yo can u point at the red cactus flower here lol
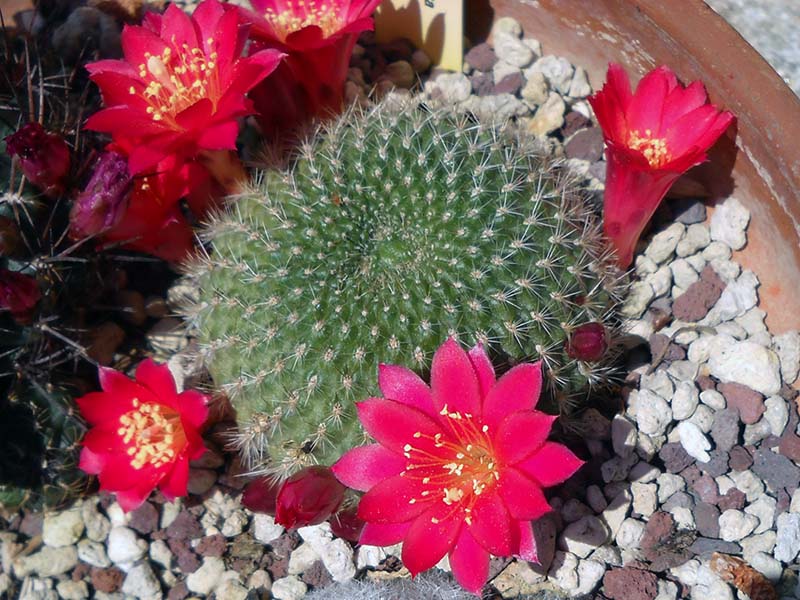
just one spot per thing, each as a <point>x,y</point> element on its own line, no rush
<point>318,37</point>
<point>652,137</point>
<point>261,495</point>
<point>458,467</point>
<point>308,497</point>
<point>19,294</point>
<point>588,342</point>
<point>143,435</point>
<point>44,157</point>
<point>181,86</point>
<point>102,204</point>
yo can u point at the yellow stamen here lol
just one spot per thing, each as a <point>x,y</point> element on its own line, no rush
<point>154,433</point>
<point>654,150</point>
<point>296,14</point>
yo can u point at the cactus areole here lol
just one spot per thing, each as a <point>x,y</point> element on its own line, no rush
<point>394,231</point>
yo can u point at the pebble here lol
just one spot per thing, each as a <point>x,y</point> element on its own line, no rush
<point>776,414</point>
<point>709,585</point>
<point>703,417</point>
<point>401,74</point>
<point>579,87</point>
<point>669,484</point>
<point>659,382</point>
<point>694,441</point>
<point>97,525</point>
<point>713,399</point>
<point>683,274</point>
<point>288,588</point>
<point>451,87</point>
<point>695,303</point>
<point>93,553</point>
<point>748,364</point>
<point>207,577</point>
<point>615,513</point>
<point>265,530</point>
<point>776,470</point>
<point>71,590</point>
<point>764,542</point>
<point>684,400</point>
<point>502,69</point>
<point>564,570</point>
<point>584,536</point>
<point>510,49</point>
<point>735,525</point>
<point>536,91</point>
<point>558,72</point>
<point>62,528</point>
<point>737,298</point>
<point>663,244</point>
<point>645,498</point>
<point>48,562</point>
<point>639,297</point>
<point>706,518</point>
<point>652,412</point>
<point>124,547</point>
<point>141,582</point>
<point>695,238</point>
<point>766,565</point>
<point>748,483</point>
<point>630,584</point>
<point>764,510</point>
<point>787,346</point>
<point>160,553</point>
<point>596,499</point>
<point>590,572</point>
<point>629,536</point>
<point>420,61</point>
<point>729,222</point>
<point>660,281</point>
<point>481,57</point>
<point>623,436</point>
<point>704,547</point>
<point>549,116</point>
<point>787,541</point>
<point>507,25</point>
<point>230,589</point>
<point>336,554</point>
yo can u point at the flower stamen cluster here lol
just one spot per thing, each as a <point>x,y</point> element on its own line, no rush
<point>155,431</point>
<point>654,149</point>
<point>297,15</point>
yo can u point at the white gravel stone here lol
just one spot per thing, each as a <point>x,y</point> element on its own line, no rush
<point>616,511</point>
<point>653,414</point>
<point>639,297</point>
<point>259,580</point>
<point>510,49</point>
<point>231,590</point>
<point>713,399</point>
<point>72,590</point>
<point>764,542</point>
<point>207,576</point>
<point>683,370</point>
<point>709,585</point>
<point>703,417</point>
<point>766,565</point>
<point>302,558</point>
<point>645,498</point>
<point>623,435</point>
<point>776,414</point>
<point>501,70</point>
<point>753,321</point>
<point>497,107</point>
<point>116,515</point>
<point>695,238</point>
<point>336,554</point>
<point>288,588</point>
<point>716,251</point>
<point>683,274</point>
<point>564,570</point>
<point>93,553</point>
<point>507,25</point>
<point>141,582</point>
<point>667,590</point>
<point>736,299</point>
<point>645,265</point>
<point>787,542</point>
<point>697,261</point>
<point>787,345</point>
<point>369,556</point>
<point>684,519</point>
<point>453,87</point>
<point>687,572</point>
<point>729,223</point>
<point>668,484</point>
<point>663,244</point>
<point>62,528</point>
<point>549,116</point>
<point>584,536</point>
<point>617,468</point>
<point>97,525</point>
<point>160,553</point>
<point>794,505</point>
<point>557,70</point>
<point>694,441</point>
<point>630,534</point>
<point>536,90</point>
<point>48,562</point>
<point>647,446</point>
<point>733,329</point>
<point>748,483</point>
<point>265,529</point>
<point>124,547</point>
<point>590,572</point>
<point>727,270</point>
<point>684,400</point>
<point>644,472</point>
<point>735,525</point>
<point>234,524</point>
<point>747,363</point>
<point>596,499</point>
<point>660,281</point>
<point>579,87</point>
<point>169,512</point>
<point>658,382</point>
<point>764,510</point>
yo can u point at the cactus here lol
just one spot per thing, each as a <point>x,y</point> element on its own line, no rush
<point>393,230</point>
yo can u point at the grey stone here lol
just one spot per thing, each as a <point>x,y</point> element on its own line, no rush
<point>669,484</point>
<point>683,274</point>
<point>663,244</point>
<point>695,238</point>
<point>729,222</point>
<point>623,435</point>
<point>644,472</point>
<point>124,547</point>
<point>776,414</point>
<point>787,345</point>
<point>453,87</point>
<point>596,499</point>
<point>579,86</point>
<point>48,562</point>
<point>763,508</point>
<point>590,572</point>
<point>706,518</point>
<point>629,536</point>
<point>616,511</point>
<point>141,582</point>
<point>207,577</point>
<point>684,400</point>
<point>549,116</point>
<point>703,417</point>
<point>93,553</point>
<point>510,49</point>
<point>62,528</point>
<point>787,542</point>
<point>704,547</point>
<point>288,588</point>
<point>584,535</point>
<point>725,429</point>
<point>776,470</point>
<point>748,364</point>
<point>557,70</point>
<point>768,566</point>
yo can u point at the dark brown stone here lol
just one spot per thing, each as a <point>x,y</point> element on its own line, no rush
<point>482,84</point>
<point>31,524</point>
<point>748,402</point>
<point>734,498</point>
<point>316,576</point>
<point>481,57</point>
<point>188,561</point>
<point>81,571</point>
<point>706,519</point>
<point>212,545</point>
<point>630,584</point>
<point>144,519</point>
<point>706,489</point>
<point>725,429</point>
<point>776,470</point>
<point>179,591</point>
<point>705,382</point>
<point>573,121</point>
<point>510,84</point>
<point>186,526</point>
<point>675,457</point>
<point>740,459</point>
<point>107,580</point>
<point>695,303</point>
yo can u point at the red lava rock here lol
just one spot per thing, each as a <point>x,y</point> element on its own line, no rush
<point>691,474</point>
<point>630,584</point>
<point>705,382</point>
<point>725,428</point>
<point>316,576</point>
<point>187,560</point>
<point>482,84</point>
<point>573,121</point>
<point>718,465</point>
<point>695,303</point>
<point>81,571</point>
<point>749,403</point>
<point>776,470</point>
<point>144,519</point>
<point>510,84</point>
<point>212,545</point>
<point>790,446</point>
<point>481,57</point>
<point>734,498</point>
<point>586,144</point>
<point>740,459</point>
<point>179,591</point>
<point>185,527</point>
<point>706,519</point>
<point>107,580</point>
<point>660,543</point>
<point>784,501</point>
<point>675,457</point>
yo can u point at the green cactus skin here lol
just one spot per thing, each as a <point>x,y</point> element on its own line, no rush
<point>393,230</point>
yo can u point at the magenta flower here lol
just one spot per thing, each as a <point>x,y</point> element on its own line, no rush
<point>43,156</point>
<point>103,202</point>
<point>458,467</point>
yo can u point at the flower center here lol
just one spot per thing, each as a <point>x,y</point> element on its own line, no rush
<point>460,466</point>
<point>154,433</point>
<point>176,80</point>
<point>301,13</point>
<point>654,149</point>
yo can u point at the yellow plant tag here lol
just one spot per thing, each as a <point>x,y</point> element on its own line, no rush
<point>436,26</point>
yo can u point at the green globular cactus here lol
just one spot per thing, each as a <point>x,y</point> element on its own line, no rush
<point>393,230</point>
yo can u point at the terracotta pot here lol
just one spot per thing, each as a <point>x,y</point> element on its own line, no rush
<point>761,167</point>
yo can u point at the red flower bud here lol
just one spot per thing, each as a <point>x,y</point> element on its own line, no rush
<point>308,497</point>
<point>261,495</point>
<point>9,236</point>
<point>102,204</point>
<point>43,157</point>
<point>347,525</point>
<point>18,294</point>
<point>588,342</point>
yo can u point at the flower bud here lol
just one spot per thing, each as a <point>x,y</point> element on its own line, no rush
<point>347,525</point>
<point>261,495</point>
<point>18,294</point>
<point>588,342</point>
<point>44,157</point>
<point>101,205</point>
<point>308,497</point>
<point>9,236</point>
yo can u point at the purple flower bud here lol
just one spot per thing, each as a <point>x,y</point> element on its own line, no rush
<point>588,342</point>
<point>44,157</point>
<point>19,294</point>
<point>101,205</point>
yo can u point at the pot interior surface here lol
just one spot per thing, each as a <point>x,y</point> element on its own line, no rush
<point>758,161</point>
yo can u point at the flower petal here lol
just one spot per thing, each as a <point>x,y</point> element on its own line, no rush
<point>393,424</point>
<point>158,378</point>
<point>683,100</point>
<point>483,368</point>
<point>91,462</point>
<point>384,534</point>
<point>527,542</point>
<point>647,105</point>
<point>175,484</point>
<point>520,434</point>
<point>123,389</point>
<point>522,496</point>
<point>518,389</point>
<point>133,498</point>
<point>100,407</point>
<point>552,464</point>
<point>193,407</point>
<point>364,467</point>
<point>394,500</point>
<point>430,537</point>
<point>469,562</point>
<point>403,385</point>
<point>454,382</point>
<point>492,525</point>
